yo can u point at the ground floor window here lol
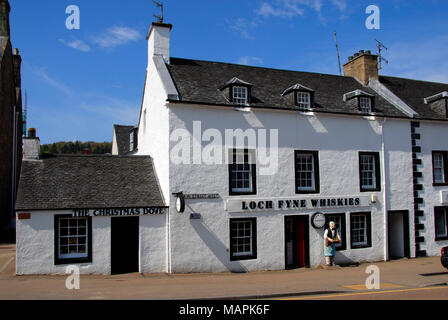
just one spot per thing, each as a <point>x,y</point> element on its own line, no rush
<point>243,239</point>
<point>360,230</point>
<point>441,223</point>
<point>339,221</point>
<point>73,239</point>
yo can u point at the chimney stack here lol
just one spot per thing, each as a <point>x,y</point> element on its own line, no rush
<point>363,65</point>
<point>31,146</point>
<point>4,18</point>
<point>159,40</point>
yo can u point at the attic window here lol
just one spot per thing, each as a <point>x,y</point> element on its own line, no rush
<point>240,96</point>
<point>304,100</point>
<point>365,104</point>
<point>133,140</point>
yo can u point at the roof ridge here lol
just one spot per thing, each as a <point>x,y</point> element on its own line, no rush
<point>265,68</point>
<point>409,79</point>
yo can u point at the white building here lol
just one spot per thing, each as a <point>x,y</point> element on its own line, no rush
<point>357,149</point>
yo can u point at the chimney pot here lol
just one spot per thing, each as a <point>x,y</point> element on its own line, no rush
<point>361,51</point>
<point>356,54</point>
<point>32,133</point>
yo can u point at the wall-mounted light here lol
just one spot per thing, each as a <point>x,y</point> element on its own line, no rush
<point>373,198</point>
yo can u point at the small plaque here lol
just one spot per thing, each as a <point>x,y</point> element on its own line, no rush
<point>24,216</point>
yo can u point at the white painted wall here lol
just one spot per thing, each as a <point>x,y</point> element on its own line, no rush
<point>35,245</point>
<point>202,245</point>
<point>433,138</point>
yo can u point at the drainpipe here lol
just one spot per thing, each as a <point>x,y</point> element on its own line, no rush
<point>384,186</point>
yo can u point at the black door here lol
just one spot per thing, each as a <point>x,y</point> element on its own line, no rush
<point>296,242</point>
<point>124,244</point>
<point>398,227</point>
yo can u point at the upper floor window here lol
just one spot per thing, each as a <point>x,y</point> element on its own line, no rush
<point>240,96</point>
<point>304,100</point>
<point>439,163</point>
<point>242,172</point>
<point>307,171</point>
<point>365,104</point>
<point>133,140</point>
<point>369,171</point>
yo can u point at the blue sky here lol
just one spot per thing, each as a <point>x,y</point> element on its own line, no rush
<point>81,82</point>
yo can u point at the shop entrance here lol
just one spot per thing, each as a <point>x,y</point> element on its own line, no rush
<point>398,222</point>
<point>124,244</point>
<point>297,242</point>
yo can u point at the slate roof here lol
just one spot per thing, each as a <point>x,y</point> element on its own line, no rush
<point>199,82</point>
<point>413,93</point>
<point>88,182</point>
<point>122,136</point>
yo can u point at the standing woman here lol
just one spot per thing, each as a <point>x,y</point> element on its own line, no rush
<point>331,236</point>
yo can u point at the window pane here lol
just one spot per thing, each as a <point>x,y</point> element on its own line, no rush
<point>305,172</point>
<point>441,228</point>
<point>439,172</point>
<point>367,171</point>
<point>241,237</point>
<point>359,230</point>
<point>73,238</point>
<point>240,95</point>
<point>241,173</point>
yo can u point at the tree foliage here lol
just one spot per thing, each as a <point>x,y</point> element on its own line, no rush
<point>76,147</point>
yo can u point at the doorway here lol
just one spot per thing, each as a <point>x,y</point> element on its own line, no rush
<point>124,245</point>
<point>297,242</point>
<point>398,228</point>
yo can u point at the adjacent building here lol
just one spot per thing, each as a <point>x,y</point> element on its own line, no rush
<point>10,125</point>
<point>250,165</point>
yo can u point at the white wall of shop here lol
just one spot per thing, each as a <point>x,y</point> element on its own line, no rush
<point>431,140</point>
<point>35,245</point>
<point>203,245</point>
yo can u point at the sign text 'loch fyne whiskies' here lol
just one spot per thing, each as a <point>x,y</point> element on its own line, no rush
<point>284,204</point>
<point>119,212</point>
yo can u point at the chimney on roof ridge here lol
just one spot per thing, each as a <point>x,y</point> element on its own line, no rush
<point>363,65</point>
<point>31,146</point>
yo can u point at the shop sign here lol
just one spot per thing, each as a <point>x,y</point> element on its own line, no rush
<point>288,204</point>
<point>119,212</point>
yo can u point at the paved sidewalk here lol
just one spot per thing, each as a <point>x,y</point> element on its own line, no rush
<point>396,274</point>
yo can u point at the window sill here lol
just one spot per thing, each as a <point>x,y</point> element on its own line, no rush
<point>308,192</point>
<point>361,247</point>
<point>441,238</point>
<point>439,184</point>
<point>59,262</point>
<point>371,190</point>
<point>249,193</point>
<point>240,258</point>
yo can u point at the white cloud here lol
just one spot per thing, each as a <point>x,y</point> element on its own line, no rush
<point>341,4</point>
<point>58,85</point>
<point>288,8</point>
<point>116,36</point>
<point>250,61</point>
<point>76,44</point>
<point>242,26</point>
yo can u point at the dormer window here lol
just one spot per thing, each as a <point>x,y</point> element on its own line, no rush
<point>301,96</point>
<point>365,104</point>
<point>237,91</point>
<point>240,96</point>
<point>304,100</point>
<point>133,139</point>
<point>362,100</point>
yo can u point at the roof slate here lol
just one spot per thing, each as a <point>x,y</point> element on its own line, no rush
<point>123,140</point>
<point>413,93</point>
<point>88,182</point>
<point>199,82</point>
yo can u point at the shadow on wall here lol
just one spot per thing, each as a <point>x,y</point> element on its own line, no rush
<point>216,246</point>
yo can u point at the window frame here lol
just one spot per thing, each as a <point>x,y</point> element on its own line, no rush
<point>444,155</point>
<point>368,230</point>
<point>370,109</point>
<point>445,212</point>
<point>250,154</point>
<point>298,104</point>
<point>253,254</point>
<point>61,260</point>
<point>342,230</point>
<point>232,95</point>
<point>316,175</point>
<point>377,175</point>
